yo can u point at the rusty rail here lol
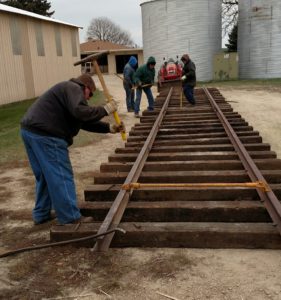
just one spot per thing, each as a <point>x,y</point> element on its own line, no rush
<point>167,201</point>
<point>119,205</point>
<point>269,199</point>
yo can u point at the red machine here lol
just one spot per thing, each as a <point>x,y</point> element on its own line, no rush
<point>171,70</point>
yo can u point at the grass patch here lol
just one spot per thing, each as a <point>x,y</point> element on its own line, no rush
<point>276,82</point>
<point>11,146</point>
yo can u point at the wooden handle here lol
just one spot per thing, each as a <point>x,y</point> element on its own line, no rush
<point>142,86</point>
<point>91,57</point>
<point>108,97</point>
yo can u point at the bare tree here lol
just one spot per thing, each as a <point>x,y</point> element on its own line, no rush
<point>229,15</point>
<point>104,29</point>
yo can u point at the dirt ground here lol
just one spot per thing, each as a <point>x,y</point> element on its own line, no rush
<point>133,273</point>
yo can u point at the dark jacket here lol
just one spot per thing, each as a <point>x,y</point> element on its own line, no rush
<point>145,75</point>
<point>62,111</point>
<point>189,70</point>
<point>128,75</point>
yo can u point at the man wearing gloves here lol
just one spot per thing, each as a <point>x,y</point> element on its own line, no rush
<point>144,76</point>
<point>128,73</point>
<point>47,129</point>
<point>188,78</point>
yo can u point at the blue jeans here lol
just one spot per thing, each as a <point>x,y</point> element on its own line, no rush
<point>130,97</point>
<point>189,93</point>
<point>149,97</point>
<point>55,188</point>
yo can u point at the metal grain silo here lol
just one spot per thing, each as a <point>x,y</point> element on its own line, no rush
<point>175,27</point>
<point>259,39</point>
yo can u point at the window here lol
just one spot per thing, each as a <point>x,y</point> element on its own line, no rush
<point>73,43</point>
<point>58,41</point>
<point>39,39</point>
<point>15,31</point>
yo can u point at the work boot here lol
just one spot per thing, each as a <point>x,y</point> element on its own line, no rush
<point>51,217</point>
<point>83,219</point>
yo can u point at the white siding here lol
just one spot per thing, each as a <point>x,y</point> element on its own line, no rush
<point>28,75</point>
<point>12,82</point>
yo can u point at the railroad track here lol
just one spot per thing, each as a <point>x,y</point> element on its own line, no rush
<point>203,178</point>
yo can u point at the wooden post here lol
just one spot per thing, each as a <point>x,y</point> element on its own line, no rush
<point>181,98</point>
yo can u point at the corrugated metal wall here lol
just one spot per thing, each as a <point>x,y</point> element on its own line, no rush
<point>259,39</point>
<point>12,81</point>
<point>30,63</point>
<point>175,27</point>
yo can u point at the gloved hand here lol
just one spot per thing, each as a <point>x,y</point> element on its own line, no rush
<point>138,84</point>
<point>114,128</point>
<point>183,78</point>
<point>111,107</point>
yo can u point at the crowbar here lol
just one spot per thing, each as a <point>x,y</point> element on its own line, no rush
<point>134,87</point>
<point>142,86</point>
<point>61,243</point>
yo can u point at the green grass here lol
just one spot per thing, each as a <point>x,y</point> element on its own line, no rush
<point>242,83</point>
<point>11,146</point>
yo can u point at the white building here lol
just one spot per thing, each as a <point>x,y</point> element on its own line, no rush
<point>35,52</point>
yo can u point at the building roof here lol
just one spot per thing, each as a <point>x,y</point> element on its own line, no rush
<point>10,9</point>
<point>146,1</point>
<point>97,45</point>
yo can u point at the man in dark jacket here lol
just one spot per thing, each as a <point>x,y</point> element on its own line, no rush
<point>145,76</point>
<point>128,73</point>
<point>47,129</point>
<point>188,78</point>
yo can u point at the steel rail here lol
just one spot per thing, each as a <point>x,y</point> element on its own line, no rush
<point>269,199</point>
<point>119,205</point>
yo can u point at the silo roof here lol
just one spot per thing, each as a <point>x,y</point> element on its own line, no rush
<point>13,10</point>
<point>148,1</point>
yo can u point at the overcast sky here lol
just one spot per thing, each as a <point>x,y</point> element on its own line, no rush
<point>125,13</point>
